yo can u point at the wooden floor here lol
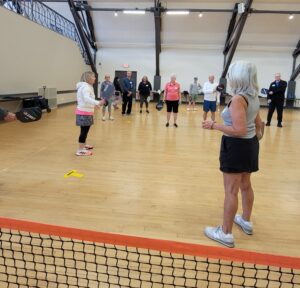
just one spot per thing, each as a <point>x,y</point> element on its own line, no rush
<point>145,179</point>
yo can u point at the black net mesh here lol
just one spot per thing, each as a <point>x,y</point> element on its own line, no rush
<point>36,260</point>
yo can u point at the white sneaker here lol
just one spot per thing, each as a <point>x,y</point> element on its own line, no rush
<point>188,109</point>
<point>111,118</point>
<point>217,234</point>
<point>84,152</point>
<point>246,226</point>
<point>103,118</point>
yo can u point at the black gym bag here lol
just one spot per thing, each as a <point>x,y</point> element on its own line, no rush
<point>39,101</point>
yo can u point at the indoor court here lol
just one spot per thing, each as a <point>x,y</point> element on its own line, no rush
<point>133,213</point>
<point>129,190</point>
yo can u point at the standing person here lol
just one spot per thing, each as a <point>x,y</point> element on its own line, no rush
<point>276,99</point>
<point>194,91</point>
<point>107,92</point>
<point>239,150</point>
<point>128,87</point>
<point>118,92</point>
<point>144,89</point>
<point>85,110</point>
<point>7,116</point>
<point>211,98</point>
<point>172,97</point>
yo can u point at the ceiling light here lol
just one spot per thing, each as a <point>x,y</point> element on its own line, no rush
<point>178,12</point>
<point>116,14</point>
<point>137,12</point>
<point>200,15</point>
<point>291,17</point>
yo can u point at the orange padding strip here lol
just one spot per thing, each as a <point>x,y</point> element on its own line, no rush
<point>153,244</point>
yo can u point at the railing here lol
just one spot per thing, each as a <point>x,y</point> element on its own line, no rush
<point>47,17</point>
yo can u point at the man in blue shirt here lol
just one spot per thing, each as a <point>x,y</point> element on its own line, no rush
<point>128,87</point>
<point>276,99</point>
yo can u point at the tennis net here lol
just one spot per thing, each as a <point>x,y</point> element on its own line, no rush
<point>40,255</point>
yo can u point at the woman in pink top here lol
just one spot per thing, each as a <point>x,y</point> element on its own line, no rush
<point>172,96</point>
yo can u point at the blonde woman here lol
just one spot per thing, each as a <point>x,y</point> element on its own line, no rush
<point>239,150</point>
<point>86,104</point>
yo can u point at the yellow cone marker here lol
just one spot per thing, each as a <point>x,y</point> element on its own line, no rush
<point>73,173</point>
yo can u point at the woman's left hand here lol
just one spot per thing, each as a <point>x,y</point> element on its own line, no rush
<point>207,124</point>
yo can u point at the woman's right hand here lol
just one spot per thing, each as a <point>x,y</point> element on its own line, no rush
<point>10,117</point>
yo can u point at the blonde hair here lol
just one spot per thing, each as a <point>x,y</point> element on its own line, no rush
<point>86,76</point>
<point>242,78</point>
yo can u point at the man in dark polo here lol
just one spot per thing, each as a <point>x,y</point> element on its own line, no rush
<point>276,99</point>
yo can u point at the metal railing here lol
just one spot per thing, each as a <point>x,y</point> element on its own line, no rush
<point>47,17</point>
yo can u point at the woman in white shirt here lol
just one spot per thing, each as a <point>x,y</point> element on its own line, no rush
<point>85,110</point>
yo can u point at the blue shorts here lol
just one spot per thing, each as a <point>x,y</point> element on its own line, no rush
<point>209,105</point>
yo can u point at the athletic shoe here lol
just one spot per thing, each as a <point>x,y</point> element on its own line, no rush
<point>175,125</point>
<point>279,125</point>
<point>84,153</point>
<point>103,118</point>
<point>167,125</point>
<point>217,234</point>
<point>147,111</point>
<point>268,124</point>
<point>187,109</point>
<point>141,111</point>
<point>246,226</point>
<point>111,118</point>
<point>88,147</point>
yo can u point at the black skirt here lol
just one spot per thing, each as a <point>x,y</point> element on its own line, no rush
<point>239,155</point>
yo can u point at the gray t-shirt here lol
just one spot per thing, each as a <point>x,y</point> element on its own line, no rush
<point>194,88</point>
<point>252,111</point>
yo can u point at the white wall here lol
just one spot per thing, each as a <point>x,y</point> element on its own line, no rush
<point>140,60</point>
<point>187,63</point>
<point>32,56</point>
<point>192,46</point>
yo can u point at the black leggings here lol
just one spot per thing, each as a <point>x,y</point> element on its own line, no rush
<point>84,130</point>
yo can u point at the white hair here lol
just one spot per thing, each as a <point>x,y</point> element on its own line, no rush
<point>242,78</point>
<point>173,75</point>
<point>86,76</point>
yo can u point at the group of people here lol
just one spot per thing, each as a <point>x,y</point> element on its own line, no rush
<point>242,129</point>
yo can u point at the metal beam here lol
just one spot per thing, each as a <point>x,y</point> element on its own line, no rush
<point>191,10</point>
<point>296,53</point>
<point>84,40</point>
<point>255,11</point>
<point>295,73</point>
<point>237,37</point>
<point>157,22</point>
<point>297,50</point>
<point>231,29</point>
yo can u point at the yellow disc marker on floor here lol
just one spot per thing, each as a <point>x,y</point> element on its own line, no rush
<point>73,173</point>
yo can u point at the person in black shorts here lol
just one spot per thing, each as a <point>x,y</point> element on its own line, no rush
<point>172,97</point>
<point>239,150</point>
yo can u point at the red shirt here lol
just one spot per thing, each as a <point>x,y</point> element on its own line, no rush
<point>172,91</point>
